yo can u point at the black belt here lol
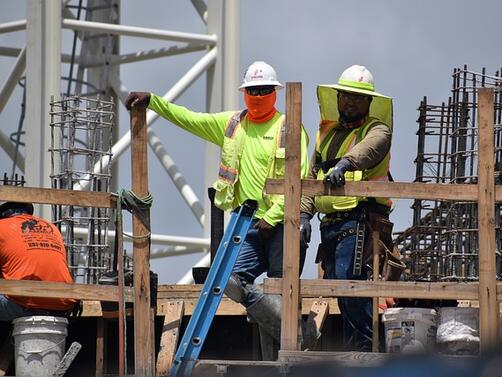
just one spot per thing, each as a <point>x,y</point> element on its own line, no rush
<point>357,212</point>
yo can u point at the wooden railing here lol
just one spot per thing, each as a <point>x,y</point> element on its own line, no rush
<point>487,291</point>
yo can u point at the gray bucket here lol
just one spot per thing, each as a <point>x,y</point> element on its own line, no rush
<point>458,331</point>
<point>409,330</point>
<point>39,345</point>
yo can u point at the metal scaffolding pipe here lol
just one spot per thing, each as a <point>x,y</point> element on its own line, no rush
<point>156,239</point>
<point>201,8</point>
<point>11,151</point>
<point>135,31</point>
<point>173,251</point>
<point>178,179</point>
<point>188,78</point>
<point>147,55</point>
<point>9,27</point>
<point>14,53</point>
<point>14,76</point>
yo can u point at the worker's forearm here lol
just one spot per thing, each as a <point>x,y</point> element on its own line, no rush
<point>210,127</point>
<point>372,149</point>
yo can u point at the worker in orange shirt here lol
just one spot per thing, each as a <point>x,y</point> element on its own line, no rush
<point>31,249</point>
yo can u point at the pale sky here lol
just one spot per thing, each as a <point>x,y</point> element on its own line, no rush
<point>411,47</point>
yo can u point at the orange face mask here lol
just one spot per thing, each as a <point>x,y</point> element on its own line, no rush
<point>260,108</point>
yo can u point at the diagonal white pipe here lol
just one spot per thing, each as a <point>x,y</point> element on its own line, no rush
<point>121,145</point>
<point>135,31</point>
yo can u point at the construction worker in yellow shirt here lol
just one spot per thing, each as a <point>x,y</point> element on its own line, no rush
<point>252,145</point>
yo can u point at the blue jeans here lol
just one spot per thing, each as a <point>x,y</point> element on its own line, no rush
<point>338,264</point>
<point>9,310</point>
<point>260,255</point>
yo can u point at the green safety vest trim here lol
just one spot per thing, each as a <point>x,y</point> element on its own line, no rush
<point>231,151</point>
<point>330,204</point>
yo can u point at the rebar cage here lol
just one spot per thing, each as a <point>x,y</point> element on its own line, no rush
<point>442,243</point>
<point>81,159</point>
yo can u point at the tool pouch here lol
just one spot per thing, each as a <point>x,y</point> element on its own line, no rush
<point>391,266</point>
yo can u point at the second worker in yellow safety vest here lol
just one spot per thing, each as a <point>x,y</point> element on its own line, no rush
<point>352,144</point>
<point>252,145</point>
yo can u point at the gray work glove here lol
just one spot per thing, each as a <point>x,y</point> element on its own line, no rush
<point>337,175</point>
<point>138,99</point>
<point>305,228</point>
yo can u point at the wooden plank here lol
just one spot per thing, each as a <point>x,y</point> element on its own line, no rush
<point>488,308</point>
<point>438,191</point>
<point>144,361</point>
<point>227,307</point>
<point>57,196</point>
<point>100,347</point>
<point>292,197</point>
<point>169,337</point>
<point>318,313</point>
<point>375,238</point>
<point>347,359</point>
<point>33,288</point>
<point>397,289</point>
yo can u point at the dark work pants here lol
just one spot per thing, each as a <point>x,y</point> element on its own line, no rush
<point>356,312</point>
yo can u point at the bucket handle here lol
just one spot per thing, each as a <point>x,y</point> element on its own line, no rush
<point>41,351</point>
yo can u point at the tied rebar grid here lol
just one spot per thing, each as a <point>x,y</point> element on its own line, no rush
<point>81,141</point>
<point>442,243</point>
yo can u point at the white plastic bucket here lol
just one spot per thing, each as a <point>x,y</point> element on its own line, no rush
<point>39,344</point>
<point>458,331</point>
<point>409,330</point>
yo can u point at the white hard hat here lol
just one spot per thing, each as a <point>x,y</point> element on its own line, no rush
<point>258,74</point>
<point>357,78</point>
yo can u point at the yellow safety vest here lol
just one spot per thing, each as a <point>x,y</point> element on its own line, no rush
<point>231,151</point>
<point>380,172</point>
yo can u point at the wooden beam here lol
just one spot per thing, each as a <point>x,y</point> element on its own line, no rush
<point>100,347</point>
<point>397,289</point>
<point>169,337</point>
<point>318,313</point>
<point>488,308</point>
<point>432,191</point>
<point>144,360</point>
<point>375,238</point>
<point>346,359</point>
<point>57,196</point>
<point>292,197</point>
<point>31,288</point>
<point>227,307</point>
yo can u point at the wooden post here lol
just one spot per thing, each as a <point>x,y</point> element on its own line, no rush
<point>144,358</point>
<point>292,197</point>
<point>169,337</point>
<point>488,308</point>
<point>100,347</point>
<point>375,237</point>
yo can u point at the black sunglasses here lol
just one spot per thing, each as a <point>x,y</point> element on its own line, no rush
<point>355,98</point>
<point>259,90</point>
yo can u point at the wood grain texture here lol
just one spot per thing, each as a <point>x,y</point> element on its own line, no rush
<point>348,359</point>
<point>143,328</point>
<point>292,196</point>
<point>397,289</point>
<point>456,192</point>
<point>488,308</point>
<point>32,288</point>
<point>57,196</point>
<point>169,337</point>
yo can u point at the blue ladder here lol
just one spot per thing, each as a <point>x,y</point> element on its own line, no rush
<point>212,292</point>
